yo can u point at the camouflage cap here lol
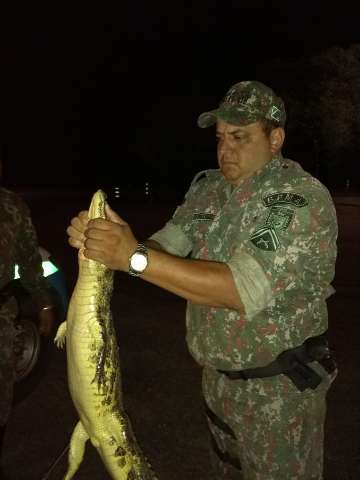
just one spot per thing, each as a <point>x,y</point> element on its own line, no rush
<point>246,102</point>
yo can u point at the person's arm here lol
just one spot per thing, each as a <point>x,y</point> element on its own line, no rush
<point>112,242</point>
<point>198,281</point>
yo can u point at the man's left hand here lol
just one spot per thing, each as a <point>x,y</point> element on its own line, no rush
<point>110,241</point>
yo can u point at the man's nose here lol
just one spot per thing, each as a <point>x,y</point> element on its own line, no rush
<point>223,146</point>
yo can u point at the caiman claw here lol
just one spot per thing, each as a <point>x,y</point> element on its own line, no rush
<point>60,337</point>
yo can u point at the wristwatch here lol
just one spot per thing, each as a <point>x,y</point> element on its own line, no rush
<point>138,260</point>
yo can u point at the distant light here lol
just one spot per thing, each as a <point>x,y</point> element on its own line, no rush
<point>117,192</point>
<point>48,268</point>
<point>147,188</point>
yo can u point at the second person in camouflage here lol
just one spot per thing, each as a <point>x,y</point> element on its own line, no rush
<point>18,245</point>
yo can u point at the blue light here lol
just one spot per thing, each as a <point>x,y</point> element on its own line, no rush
<point>48,268</point>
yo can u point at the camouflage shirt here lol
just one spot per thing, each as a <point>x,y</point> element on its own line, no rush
<point>18,245</point>
<point>277,233</point>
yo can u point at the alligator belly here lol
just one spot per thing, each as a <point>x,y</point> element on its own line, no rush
<point>92,381</point>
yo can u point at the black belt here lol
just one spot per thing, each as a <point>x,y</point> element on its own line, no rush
<point>293,364</point>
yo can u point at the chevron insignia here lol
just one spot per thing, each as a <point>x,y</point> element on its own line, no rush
<point>266,239</point>
<point>275,113</point>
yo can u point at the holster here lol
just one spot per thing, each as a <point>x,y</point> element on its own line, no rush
<point>294,364</point>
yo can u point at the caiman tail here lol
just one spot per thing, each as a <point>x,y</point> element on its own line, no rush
<point>94,372</point>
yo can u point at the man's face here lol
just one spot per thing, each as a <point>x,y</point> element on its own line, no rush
<point>242,150</point>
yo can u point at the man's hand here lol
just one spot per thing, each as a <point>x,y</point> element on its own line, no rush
<point>77,228</point>
<point>109,241</point>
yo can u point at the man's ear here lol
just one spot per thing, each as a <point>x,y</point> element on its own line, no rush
<point>277,137</point>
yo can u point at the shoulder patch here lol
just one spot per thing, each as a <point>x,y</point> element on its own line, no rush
<point>266,239</point>
<point>285,198</point>
<point>280,217</point>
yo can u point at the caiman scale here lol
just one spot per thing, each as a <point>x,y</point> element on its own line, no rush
<point>94,372</point>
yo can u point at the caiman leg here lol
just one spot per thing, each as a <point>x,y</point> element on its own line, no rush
<point>107,444</point>
<point>115,457</point>
<point>78,440</point>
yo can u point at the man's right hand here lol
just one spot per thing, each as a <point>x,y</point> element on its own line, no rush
<point>77,228</point>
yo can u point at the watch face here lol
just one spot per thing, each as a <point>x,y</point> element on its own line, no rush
<point>138,262</point>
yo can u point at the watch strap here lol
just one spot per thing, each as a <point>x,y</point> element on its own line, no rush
<point>142,249</point>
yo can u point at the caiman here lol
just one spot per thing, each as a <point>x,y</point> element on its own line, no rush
<point>94,372</point>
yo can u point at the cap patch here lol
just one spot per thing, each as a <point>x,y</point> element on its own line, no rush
<point>275,113</point>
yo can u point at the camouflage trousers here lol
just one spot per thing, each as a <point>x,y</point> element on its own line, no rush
<point>265,429</point>
<point>7,359</point>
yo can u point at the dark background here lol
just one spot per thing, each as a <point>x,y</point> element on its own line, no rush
<point>105,95</point>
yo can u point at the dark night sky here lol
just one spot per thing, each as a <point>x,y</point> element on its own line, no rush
<point>111,96</point>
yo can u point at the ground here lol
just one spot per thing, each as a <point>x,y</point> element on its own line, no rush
<point>161,382</point>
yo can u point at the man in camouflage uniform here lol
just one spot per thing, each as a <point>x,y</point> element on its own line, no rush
<point>252,249</point>
<point>18,245</point>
